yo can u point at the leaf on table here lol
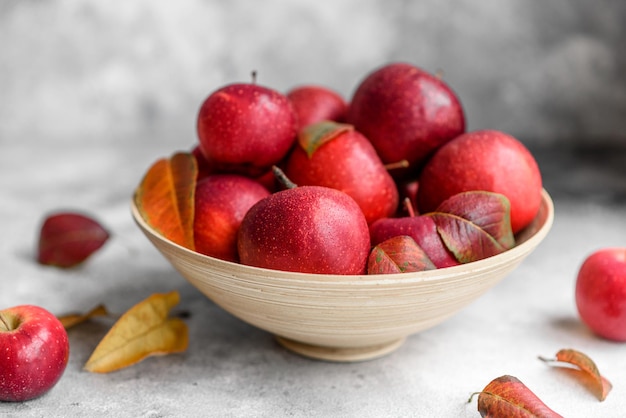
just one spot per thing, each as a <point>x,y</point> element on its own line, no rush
<point>71,320</point>
<point>67,239</point>
<point>475,225</point>
<point>507,396</point>
<point>587,371</point>
<point>400,254</point>
<point>165,197</point>
<point>144,330</point>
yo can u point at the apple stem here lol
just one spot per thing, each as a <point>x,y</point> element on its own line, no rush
<point>6,323</point>
<point>282,178</point>
<point>253,76</point>
<point>439,73</point>
<point>409,207</point>
<point>396,165</point>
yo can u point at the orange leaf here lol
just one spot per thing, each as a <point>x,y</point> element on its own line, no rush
<point>144,330</point>
<point>72,320</point>
<point>507,396</point>
<point>165,197</point>
<point>588,374</point>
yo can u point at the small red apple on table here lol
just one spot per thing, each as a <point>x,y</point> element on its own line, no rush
<point>601,292</point>
<point>34,351</point>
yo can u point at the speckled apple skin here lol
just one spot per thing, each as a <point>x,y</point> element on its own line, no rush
<point>221,202</point>
<point>33,356</point>
<point>308,229</point>
<point>484,160</point>
<point>601,293</point>
<point>348,162</point>
<point>406,112</point>
<point>245,128</point>
<point>313,104</point>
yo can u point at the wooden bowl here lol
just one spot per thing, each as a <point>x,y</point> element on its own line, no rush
<point>346,318</point>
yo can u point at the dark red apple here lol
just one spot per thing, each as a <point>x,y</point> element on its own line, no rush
<point>245,128</point>
<point>308,229</point>
<point>335,155</point>
<point>313,103</point>
<point>221,202</point>
<point>486,160</point>
<point>422,229</point>
<point>34,351</point>
<point>406,112</point>
<point>601,293</point>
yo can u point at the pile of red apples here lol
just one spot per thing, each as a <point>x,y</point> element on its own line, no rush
<point>307,181</point>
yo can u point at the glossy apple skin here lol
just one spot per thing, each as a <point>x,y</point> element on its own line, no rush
<point>601,293</point>
<point>313,103</point>
<point>221,202</point>
<point>406,112</point>
<point>34,352</point>
<point>484,160</point>
<point>348,163</point>
<point>422,229</point>
<point>308,229</point>
<point>245,128</point>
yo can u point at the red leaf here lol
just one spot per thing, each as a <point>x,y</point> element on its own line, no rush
<point>475,225</point>
<point>399,254</point>
<point>589,375</point>
<point>67,239</point>
<point>506,396</point>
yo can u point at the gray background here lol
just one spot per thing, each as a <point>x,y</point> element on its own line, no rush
<point>93,92</point>
<point>87,71</point>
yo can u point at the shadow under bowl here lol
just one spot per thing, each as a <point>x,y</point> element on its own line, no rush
<point>346,318</point>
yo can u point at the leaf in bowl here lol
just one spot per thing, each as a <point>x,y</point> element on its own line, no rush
<point>165,197</point>
<point>399,254</point>
<point>475,225</point>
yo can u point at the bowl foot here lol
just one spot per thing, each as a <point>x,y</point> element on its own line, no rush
<point>340,354</point>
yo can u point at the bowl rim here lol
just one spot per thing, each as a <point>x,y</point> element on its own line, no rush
<point>518,251</point>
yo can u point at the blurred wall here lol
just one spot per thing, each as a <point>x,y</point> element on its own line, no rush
<point>547,71</point>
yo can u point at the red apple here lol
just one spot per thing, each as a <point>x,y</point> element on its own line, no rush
<point>422,229</point>
<point>221,202</point>
<point>601,293</point>
<point>308,229</point>
<point>406,112</point>
<point>245,128</point>
<point>484,160</point>
<point>314,104</point>
<point>335,155</point>
<point>34,351</point>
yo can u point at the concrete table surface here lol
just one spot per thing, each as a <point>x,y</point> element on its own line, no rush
<point>234,370</point>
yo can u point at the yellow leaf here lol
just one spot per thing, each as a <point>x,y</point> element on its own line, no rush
<point>144,330</point>
<point>74,319</point>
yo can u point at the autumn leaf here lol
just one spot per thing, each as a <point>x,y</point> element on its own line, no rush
<point>585,370</point>
<point>71,320</point>
<point>144,330</point>
<point>506,396</point>
<point>475,225</point>
<point>313,136</point>
<point>67,239</point>
<point>165,197</point>
<point>399,254</point>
